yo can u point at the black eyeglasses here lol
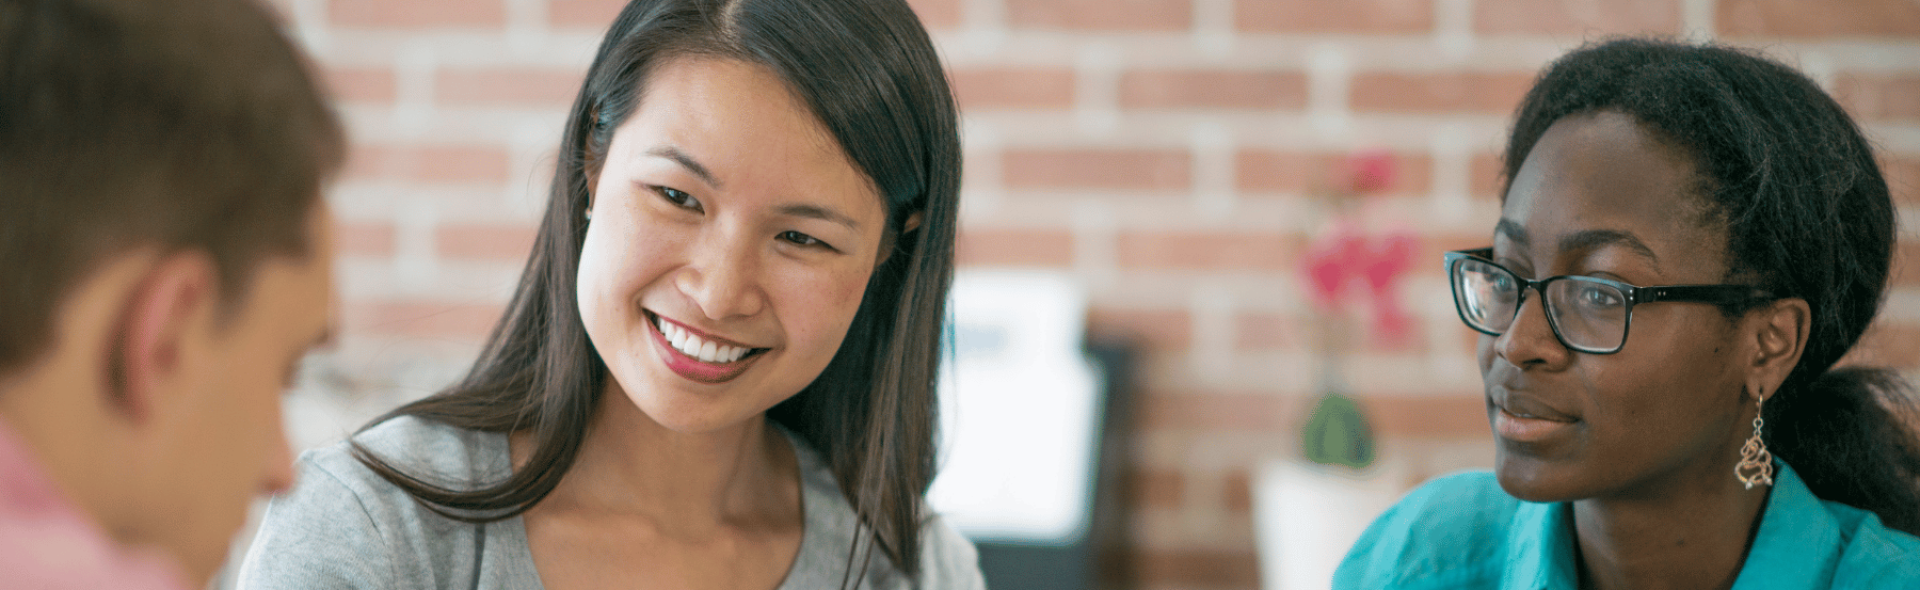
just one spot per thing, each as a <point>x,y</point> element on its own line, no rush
<point>1587,314</point>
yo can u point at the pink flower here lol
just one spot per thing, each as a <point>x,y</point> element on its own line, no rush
<point>1369,171</point>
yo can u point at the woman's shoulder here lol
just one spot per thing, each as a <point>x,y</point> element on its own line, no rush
<point>1873,555</point>
<point>344,522</point>
<point>1464,501</point>
<point>947,559</point>
<point>1449,530</point>
<point>430,451</point>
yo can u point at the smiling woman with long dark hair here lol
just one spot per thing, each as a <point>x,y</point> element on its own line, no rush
<point>718,369</point>
<point>1690,238</point>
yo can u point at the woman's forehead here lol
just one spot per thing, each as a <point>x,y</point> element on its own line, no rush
<point>1604,175</point>
<point>736,125</point>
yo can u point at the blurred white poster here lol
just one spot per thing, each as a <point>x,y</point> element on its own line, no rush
<point>1020,402</point>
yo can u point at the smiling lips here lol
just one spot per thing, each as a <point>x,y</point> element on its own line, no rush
<point>699,357</point>
<point>706,351</point>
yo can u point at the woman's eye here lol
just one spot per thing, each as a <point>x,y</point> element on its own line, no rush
<point>800,238</point>
<point>1503,283</point>
<point>1596,296</point>
<point>678,197</point>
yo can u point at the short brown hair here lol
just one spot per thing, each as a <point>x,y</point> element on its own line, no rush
<point>177,124</point>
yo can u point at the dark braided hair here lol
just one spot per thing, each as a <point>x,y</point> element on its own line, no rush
<point>1806,211</point>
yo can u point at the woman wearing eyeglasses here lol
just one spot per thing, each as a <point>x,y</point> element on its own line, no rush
<point>1690,238</point>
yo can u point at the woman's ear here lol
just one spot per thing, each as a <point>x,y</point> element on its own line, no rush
<point>592,173</point>
<point>1780,333</point>
<point>592,158</point>
<point>890,240</point>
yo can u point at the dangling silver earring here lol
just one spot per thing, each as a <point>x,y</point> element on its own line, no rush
<point>589,214</point>
<point>1756,464</point>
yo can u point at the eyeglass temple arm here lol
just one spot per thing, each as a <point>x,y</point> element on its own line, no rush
<point>1701,293</point>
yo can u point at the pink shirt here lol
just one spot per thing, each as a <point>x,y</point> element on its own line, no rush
<point>46,543</point>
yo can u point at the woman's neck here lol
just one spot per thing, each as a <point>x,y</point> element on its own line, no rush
<point>1691,532</point>
<point>630,465</point>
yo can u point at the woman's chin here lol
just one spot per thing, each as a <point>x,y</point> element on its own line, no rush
<point>691,416</point>
<point>1533,481</point>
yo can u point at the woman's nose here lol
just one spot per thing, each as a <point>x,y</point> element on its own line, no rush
<point>722,277</point>
<point>1529,342</point>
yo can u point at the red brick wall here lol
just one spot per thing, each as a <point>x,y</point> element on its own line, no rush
<point>1165,152</point>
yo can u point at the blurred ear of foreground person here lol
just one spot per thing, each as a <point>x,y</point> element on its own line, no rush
<point>718,369</point>
<point>167,267</point>
<point>1689,239</point>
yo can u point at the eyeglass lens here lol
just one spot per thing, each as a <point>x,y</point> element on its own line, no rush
<point>1587,314</point>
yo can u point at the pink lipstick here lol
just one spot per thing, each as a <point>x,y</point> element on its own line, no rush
<point>692,367</point>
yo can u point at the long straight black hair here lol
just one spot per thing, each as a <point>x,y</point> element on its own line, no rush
<point>1807,214</point>
<point>869,72</point>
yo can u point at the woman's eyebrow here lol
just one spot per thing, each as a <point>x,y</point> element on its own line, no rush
<point>686,161</point>
<point>1513,231</point>
<point>1595,238</point>
<point>818,212</point>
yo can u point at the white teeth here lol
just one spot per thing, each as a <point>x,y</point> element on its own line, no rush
<point>700,348</point>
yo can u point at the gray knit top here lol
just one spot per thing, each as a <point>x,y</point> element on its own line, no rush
<point>343,527</point>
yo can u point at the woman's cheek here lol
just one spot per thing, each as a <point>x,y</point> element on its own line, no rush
<point>830,299</point>
<point>1483,352</point>
<point>817,285</point>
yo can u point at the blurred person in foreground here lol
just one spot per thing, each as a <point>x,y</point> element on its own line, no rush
<point>1690,238</point>
<point>718,369</point>
<point>166,256</point>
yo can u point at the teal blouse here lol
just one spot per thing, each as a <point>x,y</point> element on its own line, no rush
<point>1463,531</point>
